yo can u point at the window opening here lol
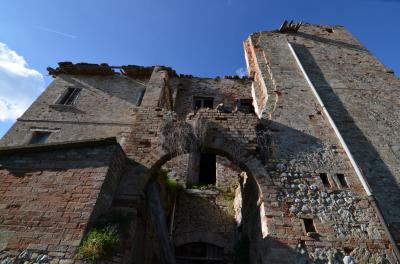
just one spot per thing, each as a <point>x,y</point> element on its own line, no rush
<point>203,102</point>
<point>69,96</point>
<point>207,173</point>
<point>39,137</point>
<point>324,179</point>
<point>309,225</point>
<point>245,106</point>
<point>342,180</point>
<point>140,99</point>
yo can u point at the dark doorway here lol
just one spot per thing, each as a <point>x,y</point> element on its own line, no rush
<point>207,174</point>
<point>199,253</point>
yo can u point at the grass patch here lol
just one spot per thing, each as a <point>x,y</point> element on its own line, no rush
<point>169,188</point>
<point>99,243</point>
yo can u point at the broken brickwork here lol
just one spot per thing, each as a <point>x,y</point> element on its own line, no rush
<point>52,194</point>
<point>286,189</point>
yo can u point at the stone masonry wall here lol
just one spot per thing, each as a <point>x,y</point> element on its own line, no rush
<point>225,91</point>
<point>102,109</point>
<point>202,216</point>
<point>143,143</point>
<point>301,146</point>
<point>362,96</point>
<point>50,196</point>
<point>286,152</point>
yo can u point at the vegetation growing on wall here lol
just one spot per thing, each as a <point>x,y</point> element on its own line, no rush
<point>99,243</point>
<point>105,238</point>
<point>168,190</point>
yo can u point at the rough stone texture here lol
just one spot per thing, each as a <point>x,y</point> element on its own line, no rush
<point>302,144</point>
<point>205,217</point>
<point>362,96</point>
<point>103,109</point>
<point>177,168</point>
<point>269,163</point>
<point>49,197</point>
<point>225,91</point>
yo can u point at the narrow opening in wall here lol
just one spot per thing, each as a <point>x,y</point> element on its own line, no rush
<point>69,96</point>
<point>329,30</point>
<point>347,250</point>
<point>325,180</point>
<point>207,173</point>
<point>311,117</point>
<point>245,106</point>
<point>203,102</point>
<point>342,180</point>
<point>140,99</point>
<point>309,225</point>
<point>39,137</point>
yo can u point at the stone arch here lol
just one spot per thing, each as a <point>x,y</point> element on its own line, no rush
<point>244,158</point>
<point>220,145</point>
<point>223,143</point>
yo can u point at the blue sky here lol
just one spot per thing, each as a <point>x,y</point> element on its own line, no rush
<point>199,37</point>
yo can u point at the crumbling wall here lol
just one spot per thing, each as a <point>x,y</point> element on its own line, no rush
<point>50,195</point>
<point>301,146</point>
<point>143,144</point>
<point>177,168</point>
<point>227,174</point>
<point>225,91</point>
<point>361,95</point>
<point>205,216</point>
<point>102,109</point>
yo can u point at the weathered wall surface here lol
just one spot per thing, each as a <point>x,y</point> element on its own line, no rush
<point>145,142</point>
<point>227,174</point>
<point>225,91</point>
<point>206,214</point>
<point>362,96</point>
<point>204,217</point>
<point>300,146</point>
<point>284,154</point>
<point>103,109</point>
<point>49,196</point>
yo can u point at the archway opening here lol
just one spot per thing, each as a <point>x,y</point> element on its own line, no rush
<point>217,212</point>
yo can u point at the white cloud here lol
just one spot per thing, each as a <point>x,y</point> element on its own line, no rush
<point>19,85</point>
<point>241,72</point>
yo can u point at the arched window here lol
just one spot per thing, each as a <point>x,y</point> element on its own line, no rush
<point>199,253</point>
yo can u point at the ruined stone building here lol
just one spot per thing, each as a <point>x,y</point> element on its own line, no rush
<point>297,163</point>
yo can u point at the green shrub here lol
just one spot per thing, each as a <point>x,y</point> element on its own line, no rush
<point>98,243</point>
<point>172,184</point>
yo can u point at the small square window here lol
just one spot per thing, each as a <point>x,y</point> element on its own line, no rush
<point>342,180</point>
<point>39,137</point>
<point>325,180</point>
<point>309,228</point>
<point>69,96</point>
<point>245,106</point>
<point>203,102</point>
